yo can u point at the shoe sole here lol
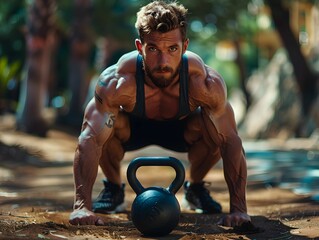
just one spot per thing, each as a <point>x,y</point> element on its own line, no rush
<point>119,209</point>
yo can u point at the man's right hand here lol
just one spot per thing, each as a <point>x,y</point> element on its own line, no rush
<point>84,216</point>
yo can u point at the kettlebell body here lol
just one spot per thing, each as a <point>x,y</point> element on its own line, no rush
<point>155,210</point>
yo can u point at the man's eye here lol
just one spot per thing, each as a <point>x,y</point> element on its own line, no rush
<point>152,49</point>
<point>172,49</point>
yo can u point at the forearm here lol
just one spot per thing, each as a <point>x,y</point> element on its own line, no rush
<point>222,130</point>
<point>86,162</point>
<point>235,172</point>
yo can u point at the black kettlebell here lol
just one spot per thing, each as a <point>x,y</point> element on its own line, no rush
<point>155,210</point>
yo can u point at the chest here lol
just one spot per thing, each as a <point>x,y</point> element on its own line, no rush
<point>161,104</point>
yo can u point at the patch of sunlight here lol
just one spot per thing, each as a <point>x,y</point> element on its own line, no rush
<point>5,174</point>
<point>7,194</point>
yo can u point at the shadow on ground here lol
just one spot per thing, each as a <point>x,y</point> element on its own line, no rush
<point>36,195</point>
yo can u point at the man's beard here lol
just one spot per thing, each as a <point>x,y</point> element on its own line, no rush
<point>162,81</point>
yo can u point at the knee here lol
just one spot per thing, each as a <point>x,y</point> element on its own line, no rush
<point>114,149</point>
<point>122,127</point>
<point>193,132</point>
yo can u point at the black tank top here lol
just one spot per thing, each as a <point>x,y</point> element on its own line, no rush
<point>139,108</point>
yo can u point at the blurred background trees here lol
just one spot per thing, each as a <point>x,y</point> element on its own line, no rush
<point>307,80</point>
<point>267,52</point>
<point>81,41</point>
<point>40,40</point>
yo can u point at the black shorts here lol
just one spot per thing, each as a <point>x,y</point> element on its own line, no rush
<point>167,134</point>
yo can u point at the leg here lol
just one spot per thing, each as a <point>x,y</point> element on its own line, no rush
<point>110,161</point>
<point>111,199</point>
<point>203,155</point>
<point>202,159</point>
<point>113,152</point>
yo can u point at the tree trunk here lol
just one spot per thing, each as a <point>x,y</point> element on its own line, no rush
<point>242,73</point>
<point>305,78</point>
<point>41,43</point>
<point>79,61</point>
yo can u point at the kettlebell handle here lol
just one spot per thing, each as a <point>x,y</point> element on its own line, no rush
<point>155,161</point>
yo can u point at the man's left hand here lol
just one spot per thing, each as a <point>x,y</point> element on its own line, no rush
<point>234,219</point>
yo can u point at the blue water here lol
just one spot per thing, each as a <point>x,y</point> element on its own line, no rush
<point>297,170</point>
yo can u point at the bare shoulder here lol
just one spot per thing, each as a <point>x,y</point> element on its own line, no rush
<point>207,87</point>
<point>116,84</point>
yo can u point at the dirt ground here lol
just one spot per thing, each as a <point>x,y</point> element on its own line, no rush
<point>36,195</point>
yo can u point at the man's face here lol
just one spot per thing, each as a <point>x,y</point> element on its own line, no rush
<point>162,54</point>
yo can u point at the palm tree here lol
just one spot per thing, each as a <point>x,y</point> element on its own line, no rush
<point>40,42</point>
<point>81,43</point>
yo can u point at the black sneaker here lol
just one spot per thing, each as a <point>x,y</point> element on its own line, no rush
<point>197,198</point>
<point>111,199</point>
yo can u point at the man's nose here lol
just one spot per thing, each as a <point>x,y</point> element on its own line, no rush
<point>163,59</point>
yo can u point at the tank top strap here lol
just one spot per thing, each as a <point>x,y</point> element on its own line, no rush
<point>139,108</point>
<point>184,108</point>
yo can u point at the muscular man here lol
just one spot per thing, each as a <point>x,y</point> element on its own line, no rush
<point>165,95</point>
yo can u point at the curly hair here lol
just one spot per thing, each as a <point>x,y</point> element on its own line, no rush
<point>162,17</point>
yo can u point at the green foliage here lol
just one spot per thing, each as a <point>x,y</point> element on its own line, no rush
<point>64,15</point>
<point>115,18</point>
<point>218,19</point>
<point>12,20</point>
<point>228,70</point>
<point>209,22</point>
<point>7,72</point>
<point>12,16</point>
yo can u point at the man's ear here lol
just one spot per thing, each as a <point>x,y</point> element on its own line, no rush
<point>185,46</point>
<point>138,45</point>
